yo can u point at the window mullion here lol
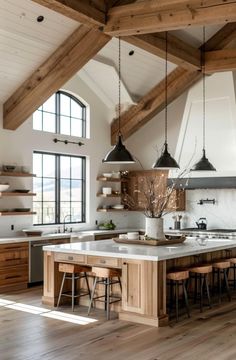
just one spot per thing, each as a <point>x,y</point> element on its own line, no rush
<point>58,188</point>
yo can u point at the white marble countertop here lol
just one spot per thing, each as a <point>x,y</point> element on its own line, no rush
<point>17,239</point>
<point>142,252</point>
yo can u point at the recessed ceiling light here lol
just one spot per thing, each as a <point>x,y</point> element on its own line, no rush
<point>40,18</point>
<point>131,52</point>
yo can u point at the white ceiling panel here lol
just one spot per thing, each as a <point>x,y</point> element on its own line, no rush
<point>25,43</point>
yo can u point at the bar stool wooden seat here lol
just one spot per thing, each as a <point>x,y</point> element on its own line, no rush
<point>178,278</point>
<point>105,276</point>
<point>201,273</point>
<point>220,268</point>
<point>73,272</point>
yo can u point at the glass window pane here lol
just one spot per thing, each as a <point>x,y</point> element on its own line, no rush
<point>50,104</point>
<point>76,127</point>
<point>76,211</point>
<point>64,125</point>
<point>49,165</point>
<point>76,110</point>
<point>65,190</point>
<point>49,188</point>
<point>37,206</point>
<point>37,186</point>
<point>37,120</point>
<point>49,212</point>
<point>65,167</point>
<point>76,168</point>
<point>49,122</point>
<point>37,164</point>
<point>65,105</point>
<point>65,212</point>
<point>76,190</point>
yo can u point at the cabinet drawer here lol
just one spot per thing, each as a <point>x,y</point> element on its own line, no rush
<point>103,261</point>
<point>9,258</point>
<point>71,258</point>
<point>14,247</point>
<point>14,275</point>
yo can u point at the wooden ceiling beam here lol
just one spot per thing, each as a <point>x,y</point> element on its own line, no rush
<point>220,60</point>
<point>84,11</point>
<point>179,52</point>
<point>65,62</point>
<point>149,17</point>
<point>153,102</point>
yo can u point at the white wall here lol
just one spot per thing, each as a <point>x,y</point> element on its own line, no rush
<point>16,147</point>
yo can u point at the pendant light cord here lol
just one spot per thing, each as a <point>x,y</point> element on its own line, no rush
<point>119,97</point>
<point>203,87</point>
<point>166,100</point>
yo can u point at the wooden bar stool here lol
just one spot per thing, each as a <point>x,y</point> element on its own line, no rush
<point>201,273</point>
<point>73,272</point>
<point>178,278</point>
<point>232,261</point>
<point>220,268</point>
<point>106,277</point>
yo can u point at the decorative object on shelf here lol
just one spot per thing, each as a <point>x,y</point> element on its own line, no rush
<point>4,187</point>
<point>66,142</point>
<point>23,191</point>
<point>8,168</point>
<point>119,154</point>
<point>203,164</point>
<point>107,190</point>
<point>207,201</point>
<point>166,161</point>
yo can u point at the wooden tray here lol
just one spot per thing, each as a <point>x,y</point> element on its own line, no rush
<point>170,241</point>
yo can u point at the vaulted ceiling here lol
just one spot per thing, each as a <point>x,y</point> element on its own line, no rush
<point>39,57</point>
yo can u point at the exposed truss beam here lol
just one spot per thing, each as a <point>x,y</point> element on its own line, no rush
<point>84,11</point>
<point>153,102</point>
<point>68,59</point>
<point>154,16</point>
<point>179,52</point>
<point>220,60</point>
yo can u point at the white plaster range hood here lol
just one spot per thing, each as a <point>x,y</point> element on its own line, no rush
<point>220,132</point>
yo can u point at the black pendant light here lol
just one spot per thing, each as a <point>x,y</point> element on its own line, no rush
<point>203,164</point>
<point>119,154</point>
<point>166,161</point>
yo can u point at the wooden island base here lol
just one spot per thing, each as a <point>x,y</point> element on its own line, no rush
<point>144,289</point>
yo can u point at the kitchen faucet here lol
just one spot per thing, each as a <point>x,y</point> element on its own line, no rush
<point>64,222</point>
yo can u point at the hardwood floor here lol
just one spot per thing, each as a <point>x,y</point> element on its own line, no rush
<point>26,336</point>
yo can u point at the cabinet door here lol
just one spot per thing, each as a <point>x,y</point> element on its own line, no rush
<point>133,286</point>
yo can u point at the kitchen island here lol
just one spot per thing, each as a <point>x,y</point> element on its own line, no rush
<point>144,269</point>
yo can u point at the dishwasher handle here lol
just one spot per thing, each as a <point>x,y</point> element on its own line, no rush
<point>40,245</point>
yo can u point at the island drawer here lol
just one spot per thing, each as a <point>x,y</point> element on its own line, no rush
<point>104,261</point>
<point>71,258</point>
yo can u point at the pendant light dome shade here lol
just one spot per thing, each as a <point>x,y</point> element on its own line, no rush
<point>203,164</point>
<point>165,161</point>
<point>119,154</point>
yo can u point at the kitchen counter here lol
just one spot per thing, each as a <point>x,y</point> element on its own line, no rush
<point>18,239</point>
<point>142,252</point>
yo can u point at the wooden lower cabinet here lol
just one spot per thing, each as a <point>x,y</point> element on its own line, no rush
<point>13,266</point>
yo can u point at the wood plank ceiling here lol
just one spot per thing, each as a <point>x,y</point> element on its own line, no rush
<point>101,20</point>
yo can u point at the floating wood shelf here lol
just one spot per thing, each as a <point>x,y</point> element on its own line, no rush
<point>12,193</point>
<point>10,213</point>
<point>108,196</point>
<point>16,174</point>
<point>110,210</point>
<point>109,179</point>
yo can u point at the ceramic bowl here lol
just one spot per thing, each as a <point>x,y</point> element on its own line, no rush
<point>108,175</point>
<point>106,190</point>
<point>4,187</point>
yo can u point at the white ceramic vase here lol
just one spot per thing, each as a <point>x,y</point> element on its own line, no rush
<point>154,228</point>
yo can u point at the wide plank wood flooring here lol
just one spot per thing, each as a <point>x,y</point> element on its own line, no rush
<point>25,336</point>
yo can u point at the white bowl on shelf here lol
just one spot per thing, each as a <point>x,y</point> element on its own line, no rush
<point>107,190</point>
<point>4,187</point>
<point>108,175</point>
<point>118,207</point>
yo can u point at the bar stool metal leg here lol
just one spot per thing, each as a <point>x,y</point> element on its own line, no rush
<point>73,292</point>
<point>120,284</point>
<point>86,279</point>
<point>177,300</point>
<point>219,285</point>
<point>201,290</point>
<point>186,298</point>
<point>108,298</point>
<point>227,285</point>
<point>61,289</point>
<point>207,290</point>
<point>92,295</point>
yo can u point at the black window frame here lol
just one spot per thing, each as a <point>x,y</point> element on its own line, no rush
<point>58,189</point>
<point>58,114</point>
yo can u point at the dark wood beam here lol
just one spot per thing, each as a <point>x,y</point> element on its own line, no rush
<point>65,62</point>
<point>155,16</point>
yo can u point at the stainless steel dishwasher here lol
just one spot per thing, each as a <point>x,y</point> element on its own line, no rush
<point>36,260</point>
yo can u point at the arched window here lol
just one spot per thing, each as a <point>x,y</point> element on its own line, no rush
<point>63,114</point>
